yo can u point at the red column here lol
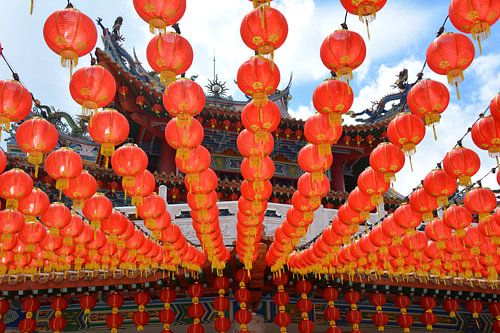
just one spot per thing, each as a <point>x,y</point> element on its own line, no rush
<point>338,183</point>
<point>167,159</point>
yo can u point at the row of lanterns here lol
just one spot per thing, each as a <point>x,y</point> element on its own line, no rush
<point>332,314</point>
<point>341,52</point>
<point>263,30</point>
<point>170,55</point>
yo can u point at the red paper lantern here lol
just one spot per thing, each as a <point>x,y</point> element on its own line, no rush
<point>169,54</point>
<point>481,201</point>
<point>474,18</point>
<point>406,131</point>
<point>15,103</point>
<point>87,303</point>
<point>71,34</point>
<point>457,218</point>
<point>437,231</point>
<point>495,107</point>
<point>15,184</point>
<point>440,185</point>
<point>387,159</point>
<point>405,321</point>
<point>36,137</point>
<point>342,52</point>
<point>184,98</point>
<point>160,13</point>
<point>306,326</point>
<point>406,217</point>
<point>333,97</point>
<point>450,54</point>
<point>265,117</point>
<point>486,135</point>
<point>424,203</point>
<point>264,30</point>
<point>92,87</point>
<point>81,188</point>
<point>129,161</point>
<point>475,307</point>
<point>97,208</point>
<point>35,204</point>
<point>108,128</point>
<point>57,217</point>
<point>373,183</point>
<point>428,99</point>
<point>317,130</point>
<point>3,161</point>
<point>57,324</point>
<point>461,163</point>
<point>144,185</point>
<point>222,324</point>
<point>183,136</point>
<point>27,325</point>
<point>258,77</point>
<point>63,164</point>
<point>365,9</point>
<point>451,305</point>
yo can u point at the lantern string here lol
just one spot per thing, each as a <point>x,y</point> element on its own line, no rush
<point>15,75</point>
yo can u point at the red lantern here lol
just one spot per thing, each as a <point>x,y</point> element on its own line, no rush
<point>141,317</point>
<point>160,13</point>
<point>33,205</point>
<point>495,107</point>
<point>474,18</point>
<point>258,77</point>
<point>450,54</point>
<point>87,303</point>
<point>108,128</point>
<point>11,222</point>
<point>461,163</point>
<point>481,201</point>
<point>387,159</point>
<point>405,321</point>
<point>63,164</point>
<point>406,217</point>
<point>92,87</point>
<point>333,97</point>
<point>96,209</point>
<point>71,34</point>
<point>428,99</point>
<point>36,137</point>
<point>475,307</point>
<point>81,188</point>
<point>222,324</point>
<point>451,305</point>
<point>184,98</point>
<point>57,217</point>
<point>317,130</point>
<point>15,103</point>
<point>15,184</point>
<point>265,117</point>
<point>264,30</point>
<point>144,185</point>
<point>373,183</point>
<point>439,232</point>
<point>27,325</point>
<point>406,131</point>
<point>114,321</point>
<point>169,54</point>
<point>57,324</point>
<point>342,52</point>
<point>198,159</point>
<point>365,9</point>
<point>424,203</point>
<point>183,136</point>
<point>457,218</point>
<point>486,135</point>
<point>438,184</point>
<point>129,161</point>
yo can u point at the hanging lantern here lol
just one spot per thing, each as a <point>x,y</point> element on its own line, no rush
<point>167,315</point>
<point>169,54</point>
<point>373,183</point>
<point>450,305</point>
<point>196,310</point>
<point>332,314</point>
<point>439,232</point>
<point>264,117</point>
<point>71,34</point>
<point>475,307</point>
<point>461,163</point>
<point>183,136</point>
<point>404,319</point>
<point>11,222</point>
<point>458,218</point>
<point>304,305</point>
<point>481,201</point>
<point>486,135</point>
<point>258,77</point>
<point>15,103</point>
<point>57,217</point>
<point>114,320</point>
<point>92,87</point>
<point>141,317</point>
<point>406,131</point>
<point>15,184</point>
<point>388,159</point>
<point>96,209</point>
<point>32,234</point>
<point>281,299</point>
<point>474,18</point>
<point>428,99</point>
<point>184,98</point>
<point>58,323</point>
<point>438,184</point>
<point>495,107</point>
<point>353,316</point>
<point>379,319</point>
<point>221,304</point>
<point>333,97</point>
<point>87,303</point>
<point>365,9</point>
<point>317,130</point>
<point>108,128</point>
<point>450,54</point>
<point>160,13</point>
<point>424,203</point>
<point>264,30</point>
<point>428,318</point>
<point>406,217</point>
<point>81,188</point>
<point>36,137</point>
<point>63,164</point>
<point>342,52</point>
<point>29,305</point>
<point>129,161</point>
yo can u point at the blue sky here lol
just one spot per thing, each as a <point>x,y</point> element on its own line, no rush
<point>400,36</point>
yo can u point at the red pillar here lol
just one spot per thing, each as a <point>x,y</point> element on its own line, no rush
<point>167,159</point>
<point>338,183</point>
